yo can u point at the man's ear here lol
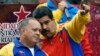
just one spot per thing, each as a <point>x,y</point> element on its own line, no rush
<point>22,30</point>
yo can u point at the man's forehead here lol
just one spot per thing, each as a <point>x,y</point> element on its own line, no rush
<point>35,24</point>
<point>43,19</point>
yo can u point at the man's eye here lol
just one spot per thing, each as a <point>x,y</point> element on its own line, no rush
<point>34,29</point>
<point>41,24</point>
<point>37,30</point>
<point>47,22</point>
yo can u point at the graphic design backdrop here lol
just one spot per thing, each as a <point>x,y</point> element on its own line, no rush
<point>10,16</point>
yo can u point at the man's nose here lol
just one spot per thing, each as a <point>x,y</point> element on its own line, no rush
<point>44,26</point>
<point>38,32</point>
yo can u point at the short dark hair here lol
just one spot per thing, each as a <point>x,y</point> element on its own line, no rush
<point>24,23</point>
<point>41,12</point>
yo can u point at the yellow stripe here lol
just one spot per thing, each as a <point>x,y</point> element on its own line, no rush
<point>7,50</point>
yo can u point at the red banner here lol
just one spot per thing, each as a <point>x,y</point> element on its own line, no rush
<point>10,16</point>
<point>94,30</point>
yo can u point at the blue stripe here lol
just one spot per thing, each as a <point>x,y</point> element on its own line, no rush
<point>20,50</point>
<point>76,48</point>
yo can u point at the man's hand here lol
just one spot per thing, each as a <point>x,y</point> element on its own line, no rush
<point>62,5</point>
<point>85,9</point>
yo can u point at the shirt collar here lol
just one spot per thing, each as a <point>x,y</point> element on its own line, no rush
<point>19,44</point>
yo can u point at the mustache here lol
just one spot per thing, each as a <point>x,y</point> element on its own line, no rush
<point>45,30</point>
<point>45,33</point>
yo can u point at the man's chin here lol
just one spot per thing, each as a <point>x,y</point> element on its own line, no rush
<point>35,41</point>
<point>49,37</point>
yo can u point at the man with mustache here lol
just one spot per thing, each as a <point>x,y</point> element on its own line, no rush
<point>72,11</point>
<point>62,41</point>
